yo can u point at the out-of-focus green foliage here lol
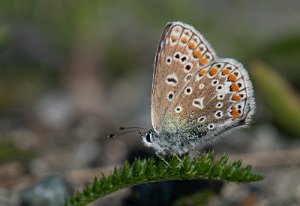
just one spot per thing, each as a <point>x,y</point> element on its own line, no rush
<point>284,55</point>
<point>281,99</point>
<point>10,152</point>
<point>42,41</point>
<point>5,36</point>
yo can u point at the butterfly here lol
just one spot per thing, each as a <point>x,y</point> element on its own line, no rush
<point>196,96</point>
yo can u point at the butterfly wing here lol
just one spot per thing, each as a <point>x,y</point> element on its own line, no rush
<point>193,88</point>
<point>218,97</point>
<point>181,51</point>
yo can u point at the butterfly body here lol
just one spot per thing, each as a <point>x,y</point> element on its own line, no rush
<point>196,95</point>
<point>172,143</point>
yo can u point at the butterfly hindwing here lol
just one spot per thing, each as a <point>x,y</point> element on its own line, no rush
<point>218,97</point>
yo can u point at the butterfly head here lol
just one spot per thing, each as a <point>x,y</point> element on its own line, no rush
<point>152,139</point>
<point>149,137</point>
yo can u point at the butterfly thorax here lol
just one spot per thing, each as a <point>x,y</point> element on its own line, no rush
<point>179,142</point>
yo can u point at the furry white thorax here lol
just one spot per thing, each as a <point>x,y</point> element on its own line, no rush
<point>163,147</point>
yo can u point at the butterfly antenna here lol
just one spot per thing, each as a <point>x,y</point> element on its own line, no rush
<point>127,130</point>
<point>132,128</point>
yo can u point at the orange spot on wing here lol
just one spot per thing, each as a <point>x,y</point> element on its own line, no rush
<point>203,61</point>
<point>232,78</point>
<point>184,40</point>
<point>234,87</point>
<point>174,38</point>
<point>236,97</point>
<point>213,71</point>
<point>225,71</point>
<point>202,72</point>
<point>235,114</point>
<point>192,45</point>
<point>197,53</point>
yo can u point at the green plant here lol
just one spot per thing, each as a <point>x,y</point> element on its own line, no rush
<point>281,99</point>
<point>143,171</point>
<point>11,152</point>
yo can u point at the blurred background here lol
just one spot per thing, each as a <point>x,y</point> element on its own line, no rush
<point>73,71</point>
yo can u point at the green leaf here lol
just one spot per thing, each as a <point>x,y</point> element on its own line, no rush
<point>145,171</point>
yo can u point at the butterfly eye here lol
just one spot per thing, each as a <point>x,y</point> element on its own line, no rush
<point>149,137</point>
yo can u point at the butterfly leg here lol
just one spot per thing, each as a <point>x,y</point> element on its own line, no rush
<point>175,155</point>
<point>160,157</point>
<point>193,147</point>
<point>196,151</point>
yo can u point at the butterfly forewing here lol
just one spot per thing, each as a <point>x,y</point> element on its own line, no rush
<point>182,51</point>
<point>194,89</point>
